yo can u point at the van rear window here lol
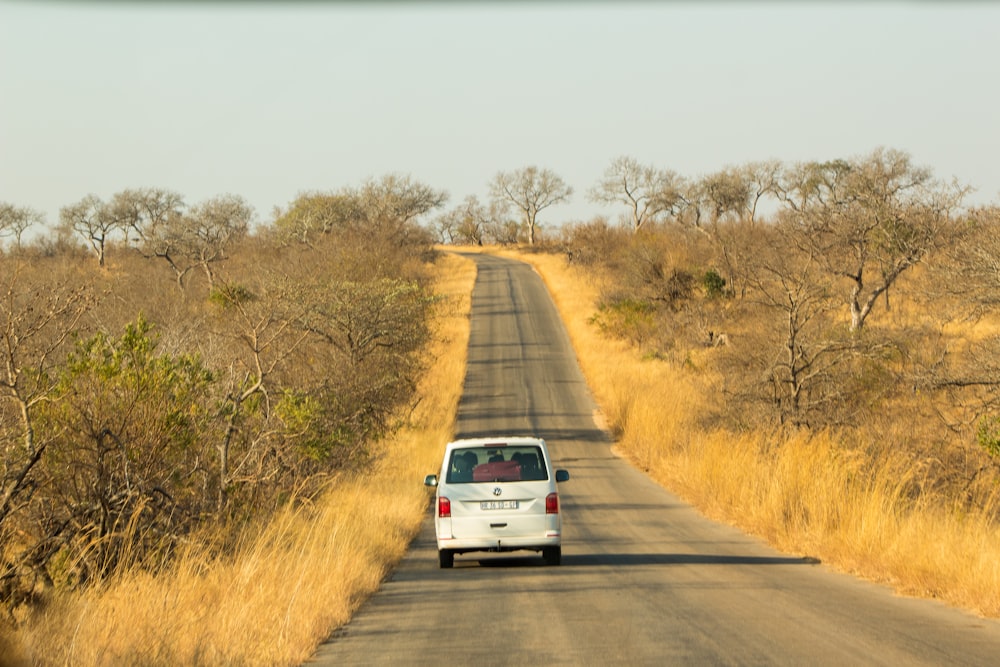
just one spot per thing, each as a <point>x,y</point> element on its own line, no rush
<point>496,464</point>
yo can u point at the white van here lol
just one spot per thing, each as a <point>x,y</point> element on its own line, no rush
<point>497,494</point>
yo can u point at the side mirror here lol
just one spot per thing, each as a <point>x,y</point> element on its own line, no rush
<point>431,480</point>
<point>562,475</point>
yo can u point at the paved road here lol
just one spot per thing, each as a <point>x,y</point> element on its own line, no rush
<point>645,579</point>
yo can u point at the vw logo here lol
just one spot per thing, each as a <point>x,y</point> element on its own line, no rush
<point>497,491</point>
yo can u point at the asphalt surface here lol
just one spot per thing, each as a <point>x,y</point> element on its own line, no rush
<point>645,579</point>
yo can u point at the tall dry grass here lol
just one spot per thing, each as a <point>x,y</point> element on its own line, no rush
<point>290,582</point>
<point>850,504</point>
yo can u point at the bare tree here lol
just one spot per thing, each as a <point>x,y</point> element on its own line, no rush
<point>970,267</point>
<point>531,190</point>
<point>371,332</point>
<point>387,208</point>
<point>158,226</point>
<point>473,222</point>
<point>15,220</point>
<point>964,283</point>
<point>870,220</point>
<point>264,330</point>
<point>763,179</point>
<point>813,185</point>
<point>398,198</point>
<point>646,191</point>
<point>464,223</point>
<point>93,220</point>
<point>804,346</point>
<point>151,218</point>
<point>723,205</point>
<point>313,214</point>
<point>212,227</point>
<point>362,319</point>
<point>727,193</point>
<point>143,213</point>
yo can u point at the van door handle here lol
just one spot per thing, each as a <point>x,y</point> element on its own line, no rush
<point>498,525</point>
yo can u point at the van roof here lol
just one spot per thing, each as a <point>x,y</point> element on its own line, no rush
<point>496,441</point>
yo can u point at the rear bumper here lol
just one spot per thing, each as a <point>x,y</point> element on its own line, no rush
<point>499,543</point>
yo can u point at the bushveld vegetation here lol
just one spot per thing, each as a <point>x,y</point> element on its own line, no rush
<point>288,577</point>
<point>147,411</point>
<point>826,377</point>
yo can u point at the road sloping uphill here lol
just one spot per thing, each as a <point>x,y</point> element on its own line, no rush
<point>645,579</point>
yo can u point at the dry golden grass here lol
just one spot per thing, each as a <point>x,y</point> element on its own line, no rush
<point>291,582</point>
<point>849,504</point>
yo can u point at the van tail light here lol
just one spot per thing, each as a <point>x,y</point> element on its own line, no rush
<point>444,507</point>
<point>552,503</point>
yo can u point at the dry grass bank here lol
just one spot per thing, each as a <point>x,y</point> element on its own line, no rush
<point>293,580</point>
<point>846,503</point>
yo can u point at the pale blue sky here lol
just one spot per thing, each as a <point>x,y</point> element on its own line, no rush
<point>267,99</point>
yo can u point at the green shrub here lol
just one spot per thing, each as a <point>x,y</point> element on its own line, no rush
<point>630,319</point>
<point>714,284</point>
<point>988,435</point>
<point>227,295</point>
<point>307,425</point>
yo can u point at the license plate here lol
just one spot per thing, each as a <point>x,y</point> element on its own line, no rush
<point>498,505</point>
